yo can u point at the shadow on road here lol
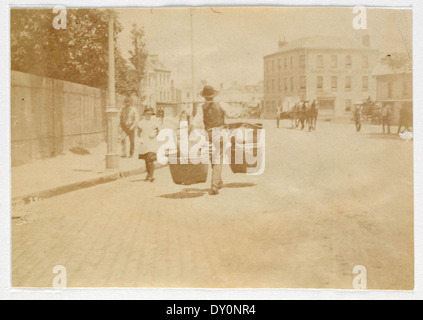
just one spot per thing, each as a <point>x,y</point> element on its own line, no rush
<point>80,151</point>
<point>391,136</point>
<point>190,193</point>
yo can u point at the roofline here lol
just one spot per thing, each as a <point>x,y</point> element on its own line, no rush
<point>394,74</point>
<point>317,49</point>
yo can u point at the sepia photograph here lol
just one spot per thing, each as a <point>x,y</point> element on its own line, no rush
<point>212,147</point>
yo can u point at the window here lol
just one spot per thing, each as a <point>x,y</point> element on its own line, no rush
<point>334,81</point>
<point>292,84</point>
<point>267,85</point>
<point>348,82</point>
<point>285,63</point>
<point>303,82</point>
<point>279,85</point>
<point>286,84</point>
<point>279,64</point>
<point>334,61</point>
<point>273,85</point>
<point>302,61</point>
<point>273,65</point>
<point>365,83</point>
<point>365,62</point>
<point>320,61</point>
<point>291,62</point>
<point>348,105</point>
<point>319,82</point>
<point>348,62</point>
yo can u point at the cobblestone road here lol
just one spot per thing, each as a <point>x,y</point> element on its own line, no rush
<point>328,201</point>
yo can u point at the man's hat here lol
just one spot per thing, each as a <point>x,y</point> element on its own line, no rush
<point>208,92</point>
<point>149,111</point>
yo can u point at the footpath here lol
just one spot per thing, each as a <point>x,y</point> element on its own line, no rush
<point>75,169</point>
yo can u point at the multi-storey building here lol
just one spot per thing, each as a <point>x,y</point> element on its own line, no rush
<point>395,90</point>
<point>336,72</point>
<point>156,83</point>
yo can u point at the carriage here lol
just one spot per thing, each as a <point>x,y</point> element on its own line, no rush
<point>302,113</point>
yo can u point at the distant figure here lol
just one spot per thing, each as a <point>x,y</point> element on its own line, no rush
<point>186,113</point>
<point>303,115</point>
<point>357,118</point>
<point>148,131</point>
<point>314,109</point>
<point>386,115</point>
<point>183,116</point>
<point>278,116</point>
<point>128,124</point>
<point>160,114</point>
<point>404,119</point>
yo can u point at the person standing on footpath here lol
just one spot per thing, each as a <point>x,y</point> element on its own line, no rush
<point>386,115</point>
<point>404,119</point>
<point>128,124</point>
<point>278,115</point>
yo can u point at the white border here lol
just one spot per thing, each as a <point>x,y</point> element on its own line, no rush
<point>5,234</point>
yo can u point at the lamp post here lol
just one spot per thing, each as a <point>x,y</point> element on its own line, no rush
<point>112,113</point>
<point>193,88</point>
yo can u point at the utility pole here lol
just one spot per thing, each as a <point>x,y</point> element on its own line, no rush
<point>112,113</point>
<point>194,95</point>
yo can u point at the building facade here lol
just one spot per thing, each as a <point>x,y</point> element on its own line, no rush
<point>395,90</point>
<point>248,94</point>
<point>336,72</point>
<point>157,84</point>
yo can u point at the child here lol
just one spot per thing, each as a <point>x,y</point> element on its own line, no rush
<point>148,131</point>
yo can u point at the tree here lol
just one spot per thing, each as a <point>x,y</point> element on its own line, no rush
<point>138,58</point>
<point>398,61</point>
<point>77,53</point>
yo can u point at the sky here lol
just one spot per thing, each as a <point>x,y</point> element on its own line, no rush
<point>230,43</point>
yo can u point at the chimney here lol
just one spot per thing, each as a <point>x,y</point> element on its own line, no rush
<point>366,41</point>
<point>282,43</point>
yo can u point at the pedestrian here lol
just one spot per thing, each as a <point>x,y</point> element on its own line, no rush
<point>357,117</point>
<point>128,124</point>
<point>278,115</point>
<point>214,118</point>
<point>386,114</point>
<point>161,114</point>
<point>404,119</point>
<point>303,115</point>
<point>148,130</point>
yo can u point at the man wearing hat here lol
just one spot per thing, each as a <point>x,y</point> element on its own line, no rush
<point>128,123</point>
<point>214,118</point>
